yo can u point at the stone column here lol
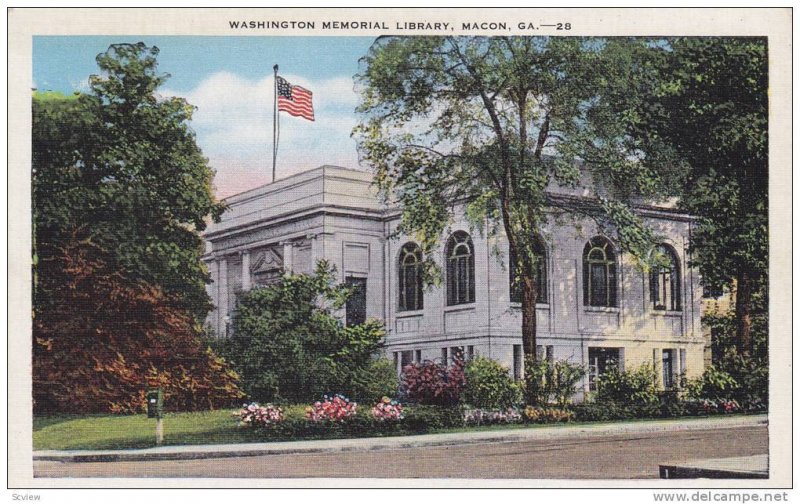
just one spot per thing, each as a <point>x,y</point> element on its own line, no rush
<point>682,361</point>
<point>246,270</point>
<point>288,267</point>
<point>213,316</point>
<point>222,296</point>
<point>659,368</point>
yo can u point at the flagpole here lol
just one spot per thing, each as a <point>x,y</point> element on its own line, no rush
<point>275,122</point>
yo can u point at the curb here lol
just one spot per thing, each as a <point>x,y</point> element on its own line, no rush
<point>191,452</point>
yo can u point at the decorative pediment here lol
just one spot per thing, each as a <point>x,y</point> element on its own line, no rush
<point>265,261</point>
<point>267,267</point>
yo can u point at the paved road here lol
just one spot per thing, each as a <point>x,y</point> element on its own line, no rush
<point>607,457</point>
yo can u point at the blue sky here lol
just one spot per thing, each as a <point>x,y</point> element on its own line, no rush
<point>230,80</point>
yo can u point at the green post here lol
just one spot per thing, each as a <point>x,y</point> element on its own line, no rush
<point>155,409</point>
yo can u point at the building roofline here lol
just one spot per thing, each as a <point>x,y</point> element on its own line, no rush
<point>281,183</point>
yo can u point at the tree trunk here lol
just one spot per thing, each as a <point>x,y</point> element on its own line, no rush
<point>744,301</point>
<point>529,295</point>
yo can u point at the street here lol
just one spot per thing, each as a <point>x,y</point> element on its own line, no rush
<point>602,457</point>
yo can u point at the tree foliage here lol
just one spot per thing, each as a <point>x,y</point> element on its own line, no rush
<point>289,347</point>
<point>494,122</point>
<point>709,100</point>
<point>103,340</point>
<point>120,192</point>
<point>121,168</point>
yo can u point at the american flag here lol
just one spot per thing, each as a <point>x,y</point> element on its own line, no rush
<point>295,100</point>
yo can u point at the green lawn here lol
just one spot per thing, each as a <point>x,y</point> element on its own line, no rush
<point>108,432</point>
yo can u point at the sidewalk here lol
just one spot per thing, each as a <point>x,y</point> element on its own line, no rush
<point>549,433</point>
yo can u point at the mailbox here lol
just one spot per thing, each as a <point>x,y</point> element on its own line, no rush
<point>155,403</point>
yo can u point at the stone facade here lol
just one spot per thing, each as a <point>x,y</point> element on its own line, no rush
<point>334,213</point>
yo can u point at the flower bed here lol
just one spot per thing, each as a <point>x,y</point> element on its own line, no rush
<point>387,410</point>
<point>254,415</point>
<point>332,409</point>
<point>492,417</point>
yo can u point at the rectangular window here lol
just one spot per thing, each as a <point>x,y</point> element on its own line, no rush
<point>470,352</point>
<point>456,352</point>
<point>518,362</point>
<point>444,356</point>
<point>544,352</point>
<point>406,358</point>
<point>418,356</point>
<point>356,307</point>
<point>667,368</point>
<point>600,360</point>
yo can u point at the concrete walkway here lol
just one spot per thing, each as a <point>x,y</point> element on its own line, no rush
<point>545,433</point>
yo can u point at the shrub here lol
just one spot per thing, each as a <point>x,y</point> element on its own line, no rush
<point>591,411</point>
<point>488,385</point>
<point>387,410</point>
<point>552,381</point>
<point>333,409</point>
<point>288,346</point>
<point>635,388</point>
<point>422,418</point>
<point>378,380</point>
<point>253,415</point>
<point>431,383</point>
<point>712,384</point>
<point>492,416</point>
<point>548,415</point>
<point>539,381</point>
<point>672,404</point>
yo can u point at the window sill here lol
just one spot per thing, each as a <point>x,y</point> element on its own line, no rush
<point>409,313</point>
<point>601,309</point>
<point>539,306</point>
<point>666,313</point>
<point>460,308</point>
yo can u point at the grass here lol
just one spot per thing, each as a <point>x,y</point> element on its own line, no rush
<point>109,432</point>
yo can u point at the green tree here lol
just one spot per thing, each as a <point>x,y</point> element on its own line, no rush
<point>710,102</point>
<point>495,121</point>
<point>289,347</point>
<point>121,168</point>
<point>120,193</point>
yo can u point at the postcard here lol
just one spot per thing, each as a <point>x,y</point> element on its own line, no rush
<point>501,248</point>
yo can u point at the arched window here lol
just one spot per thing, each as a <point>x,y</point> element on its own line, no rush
<point>541,274</point>
<point>460,259</point>
<point>599,273</point>
<point>410,277</point>
<point>665,280</point>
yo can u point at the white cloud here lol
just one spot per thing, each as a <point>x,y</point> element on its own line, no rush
<point>233,123</point>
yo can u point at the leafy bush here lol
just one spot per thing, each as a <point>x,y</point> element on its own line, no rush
<point>712,384</point>
<point>591,411</point>
<point>420,419</point>
<point>552,381</point>
<point>332,409</point>
<point>635,388</point>
<point>672,404</point>
<point>488,385</point>
<point>548,415</point>
<point>387,410</point>
<point>752,377</point>
<point>431,383</point>
<point>288,347</point>
<point>492,416</point>
<point>377,380</point>
<point>253,415</point>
